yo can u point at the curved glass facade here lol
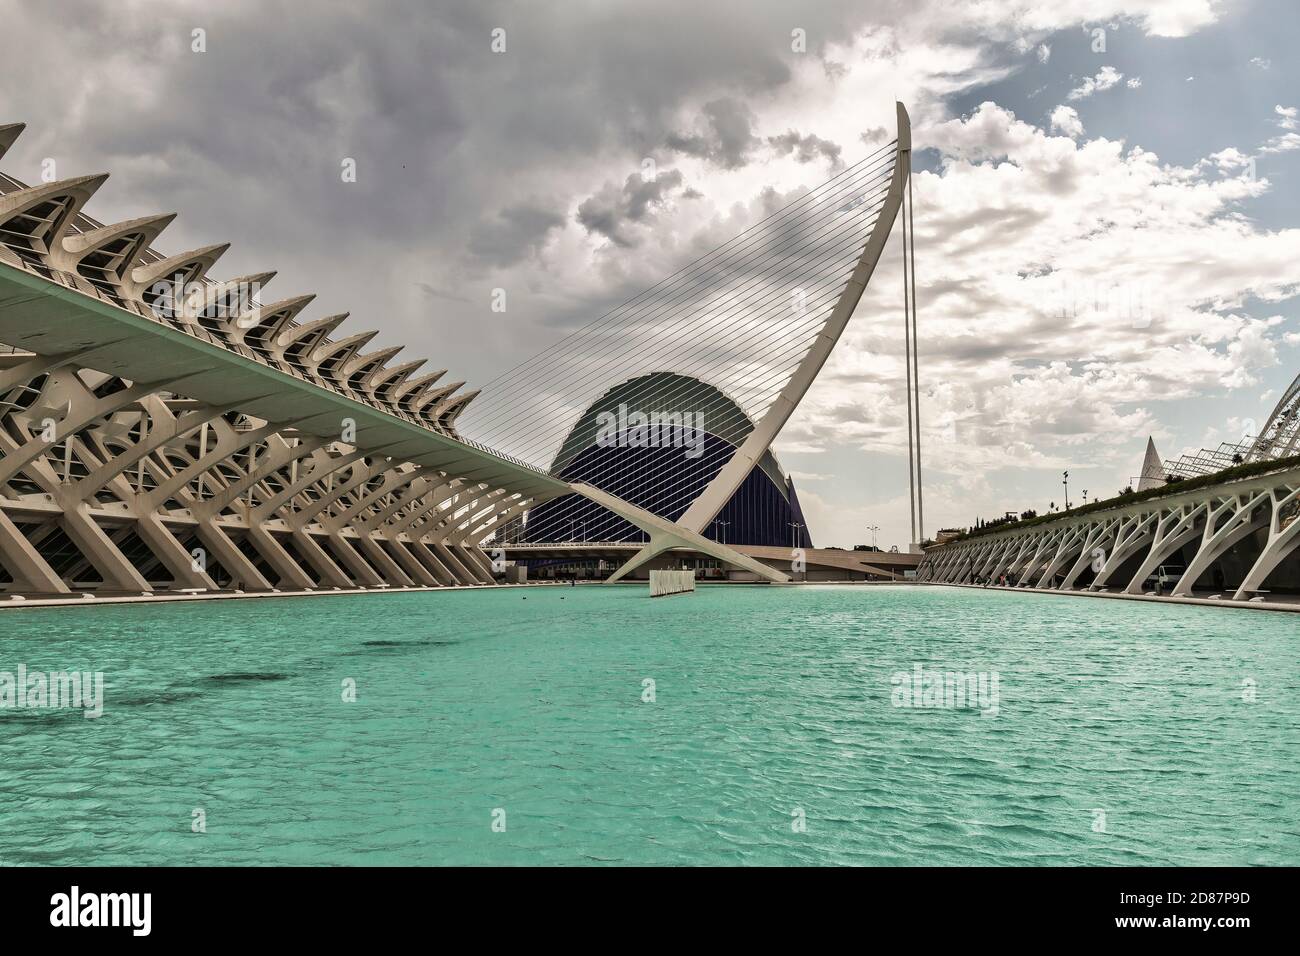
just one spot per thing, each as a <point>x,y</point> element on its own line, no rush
<point>656,442</point>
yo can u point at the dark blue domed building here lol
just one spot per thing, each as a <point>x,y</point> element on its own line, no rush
<point>657,441</point>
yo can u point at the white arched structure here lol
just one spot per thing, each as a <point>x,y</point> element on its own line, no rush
<point>724,485</point>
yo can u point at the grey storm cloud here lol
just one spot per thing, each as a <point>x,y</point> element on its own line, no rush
<point>725,138</point>
<point>469,163</point>
<point>613,208</point>
<point>807,148</point>
<point>513,233</point>
<point>246,139</point>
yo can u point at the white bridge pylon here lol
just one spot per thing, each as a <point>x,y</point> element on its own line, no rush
<point>716,494</point>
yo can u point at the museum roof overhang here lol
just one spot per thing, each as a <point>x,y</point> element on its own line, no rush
<point>49,317</point>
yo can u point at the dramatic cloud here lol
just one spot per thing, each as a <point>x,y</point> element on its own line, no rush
<point>513,233</point>
<point>725,137</point>
<point>614,210</point>
<point>611,144</point>
<point>808,148</point>
<point>1057,300</point>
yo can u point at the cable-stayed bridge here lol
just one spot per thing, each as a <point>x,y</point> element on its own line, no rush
<point>166,431</point>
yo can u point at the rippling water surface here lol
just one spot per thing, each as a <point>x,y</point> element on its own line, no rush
<point>771,706</point>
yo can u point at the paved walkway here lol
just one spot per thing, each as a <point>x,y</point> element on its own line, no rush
<point>167,597</point>
<point>1279,603</point>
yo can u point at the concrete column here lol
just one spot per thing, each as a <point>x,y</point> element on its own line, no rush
<point>1281,542</point>
<point>245,573</point>
<point>1243,522</point>
<point>24,563</point>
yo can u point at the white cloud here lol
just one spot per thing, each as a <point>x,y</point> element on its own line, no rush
<point>1065,119</point>
<point>1285,143</point>
<point>1044,53</point>
<point>1289,140</point>
<point>1133,82</point>
<point>1068,289</point>
<point>1226,160</point>
<point>1106,78</point>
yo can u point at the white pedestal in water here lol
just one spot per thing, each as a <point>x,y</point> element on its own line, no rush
<point>671,582</point>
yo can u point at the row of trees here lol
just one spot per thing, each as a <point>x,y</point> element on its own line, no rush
<point>1011,517</point>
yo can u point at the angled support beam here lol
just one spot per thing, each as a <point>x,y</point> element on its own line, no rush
<point>168,550</point>
<point>665,535</point>
<point>433,563</point>
<point>24,563</point>
<point>458,568</point>
<point>1098,535</point>
<point>1134,533</point>
<point>100,550</point>
<point>330,573</point>
<point>1172,531</point>
<point>1283,536</point>
<point>243,571</point>
<point>1247,517</point>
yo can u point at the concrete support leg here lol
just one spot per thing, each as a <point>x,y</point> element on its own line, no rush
<point>393,574</point>
<point>330,573</point>
<point>416,571</point>
<point>435,566</point>
<point>244,572</point>
<point>463,574</point>
<point>1242,527</point>
<point>99,550</point>
<point>361,571</point>
<point>474,555</point>
<point>169,551</point>
<point>291,575</point>
<point>24,563</point>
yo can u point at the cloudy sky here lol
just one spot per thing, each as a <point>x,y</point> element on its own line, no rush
<point>1107,202</point>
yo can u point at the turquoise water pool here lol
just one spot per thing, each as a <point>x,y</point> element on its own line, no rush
<point>516,726</point>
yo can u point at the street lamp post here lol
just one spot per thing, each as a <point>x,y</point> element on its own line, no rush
<point>873,529</point>
<point>724,531</point>
<point>1065,480</point>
